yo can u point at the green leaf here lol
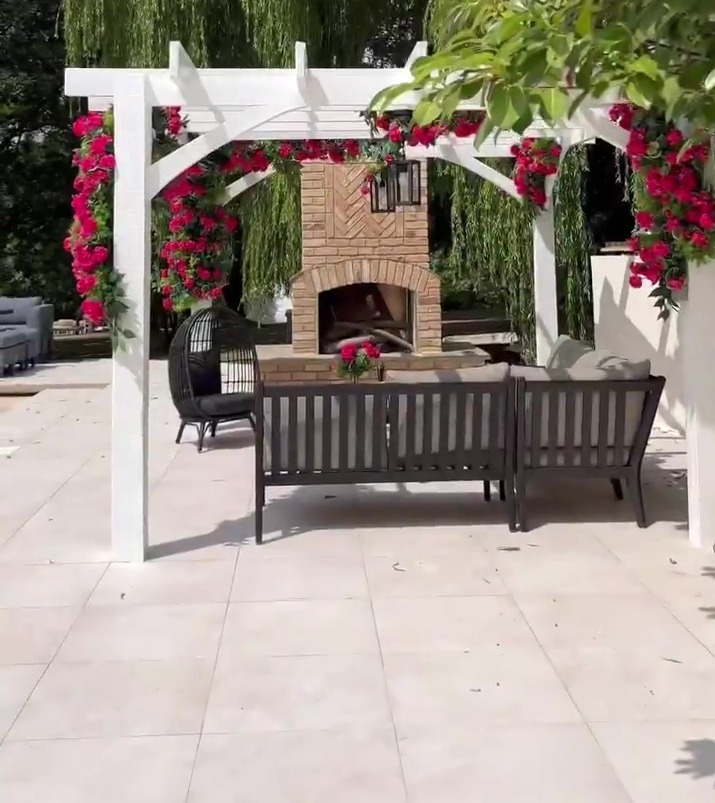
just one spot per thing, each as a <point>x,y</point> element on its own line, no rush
<point>388,96</point>
<point>486,128</point>
<point>710,81</point>
<point>427,111</point>
<point>498,104</point>
<point>641,90</point>
<point>128,334</point>
<point>645,65</point>
<point>533,67</point>
<point>555,103</point>
<point>584,22</point>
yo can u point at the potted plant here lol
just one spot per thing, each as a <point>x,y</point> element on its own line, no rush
<point>357,359</point>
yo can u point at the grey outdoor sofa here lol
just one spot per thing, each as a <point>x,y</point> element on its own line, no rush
<point>384,432</point>
<point>31,320</point>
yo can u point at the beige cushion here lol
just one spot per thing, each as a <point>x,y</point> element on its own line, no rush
<point>478,435</point>
<point>589,366</point>
<point>566,351</point>
<point>477,432</point>
<point>297,435</point>
<point>496,372</point>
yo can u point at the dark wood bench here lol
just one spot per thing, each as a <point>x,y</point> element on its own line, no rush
<point>585,429</point>
<point>384,432</point>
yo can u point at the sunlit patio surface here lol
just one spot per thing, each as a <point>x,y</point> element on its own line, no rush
<point>386,645</point>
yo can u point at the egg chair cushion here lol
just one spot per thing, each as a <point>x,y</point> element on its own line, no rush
<point>226,405</point>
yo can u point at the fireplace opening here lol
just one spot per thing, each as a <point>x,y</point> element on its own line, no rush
<point>380,313</point>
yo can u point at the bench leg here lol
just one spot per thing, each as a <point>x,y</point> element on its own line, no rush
<point>487,487</point>
<point>507,488</point>
<point>635,491</point>
<point>502,491</point>
<point>617,489</point>
<point>182,427</point>
<point>521,502</point>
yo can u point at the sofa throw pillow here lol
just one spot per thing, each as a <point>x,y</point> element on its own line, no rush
<point>565,352</point>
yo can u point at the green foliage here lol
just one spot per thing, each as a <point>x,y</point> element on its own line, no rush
<point>35,151</point>
<point>574,245</point>
<point>272,245</point>
<point>544,57</point>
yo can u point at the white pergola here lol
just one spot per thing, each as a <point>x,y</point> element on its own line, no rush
<point>223,105</point>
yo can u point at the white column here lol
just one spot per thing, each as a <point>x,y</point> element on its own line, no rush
<point>697,342</point>
<point>130,376</point>
<point>545,300</point>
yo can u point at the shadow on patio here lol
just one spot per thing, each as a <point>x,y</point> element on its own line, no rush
<point>292,512</point>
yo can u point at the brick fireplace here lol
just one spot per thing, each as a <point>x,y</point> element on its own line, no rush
<point>346,245</point>
<point>348,248</point>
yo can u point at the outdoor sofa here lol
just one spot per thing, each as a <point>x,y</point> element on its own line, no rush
<point>585,414</point>
<point>25,330</point>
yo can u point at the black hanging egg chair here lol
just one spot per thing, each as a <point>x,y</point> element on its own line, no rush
<point>213,371</point>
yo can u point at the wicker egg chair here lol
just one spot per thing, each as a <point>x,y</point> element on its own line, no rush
<point>213,371</point>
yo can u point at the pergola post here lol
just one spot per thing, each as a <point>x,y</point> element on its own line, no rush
<point>697,341</point>
<point>130,374</point>
<point>546,310</point>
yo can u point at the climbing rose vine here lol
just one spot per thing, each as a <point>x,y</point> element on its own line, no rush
<point>195,263</point>
<point>90,237</point>
<point>536,159</point>
<point>674,212</point>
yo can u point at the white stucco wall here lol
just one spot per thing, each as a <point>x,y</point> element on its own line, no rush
<point>627,324</point>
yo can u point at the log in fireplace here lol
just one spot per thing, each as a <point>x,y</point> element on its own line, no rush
<point>380,313</point>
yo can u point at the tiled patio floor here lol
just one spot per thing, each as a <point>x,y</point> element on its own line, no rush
<point>387,645</point>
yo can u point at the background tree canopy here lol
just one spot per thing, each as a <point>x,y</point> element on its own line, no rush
<point>35,151</point>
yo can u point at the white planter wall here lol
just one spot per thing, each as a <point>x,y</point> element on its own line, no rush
<point>626,323</point>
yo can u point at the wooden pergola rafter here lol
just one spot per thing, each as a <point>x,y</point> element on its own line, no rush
<point>225,105</point>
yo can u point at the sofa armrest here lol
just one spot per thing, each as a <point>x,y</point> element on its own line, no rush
<point>42,318</point>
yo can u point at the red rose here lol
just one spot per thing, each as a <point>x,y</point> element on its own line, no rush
<point>372,350</point>
<point>93,310</point>
<point>382,123</point>
<point>349,352</point>
<point>100,255</point>
<point>538,196</point>
<point>660,249</point>
<point>285,150</point>
<point>637,145</point>
<point>700,240</point>
<point>674,138</point>
<point>86,283</point>
<point>167,303</point>
<point>707,221</point>
<point>676,283</point>
<point>395,134</point>
<point>645,220</point>
<point>635,280</point>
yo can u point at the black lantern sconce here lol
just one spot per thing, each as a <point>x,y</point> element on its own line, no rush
<point>382,193</point>
<point>406,175</point>
<point>399,184</point>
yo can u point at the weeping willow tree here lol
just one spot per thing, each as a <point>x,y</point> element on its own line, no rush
<point>492,245</point>
<point>245,33</point>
